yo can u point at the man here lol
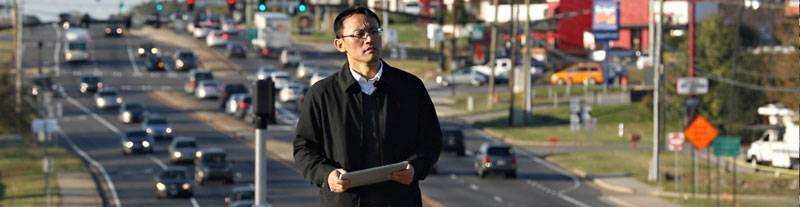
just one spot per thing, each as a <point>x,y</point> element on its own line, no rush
<point>366,115</point>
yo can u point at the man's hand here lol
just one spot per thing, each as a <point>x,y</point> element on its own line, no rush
<point>336,185</point>
<point>403,176</point>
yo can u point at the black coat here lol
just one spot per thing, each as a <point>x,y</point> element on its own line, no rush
<point>328,134</point>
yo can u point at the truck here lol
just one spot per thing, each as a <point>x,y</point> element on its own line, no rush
<point>779,145</point>
<point>272,32</point>
<point>76,44</point>
<point>503,65</point>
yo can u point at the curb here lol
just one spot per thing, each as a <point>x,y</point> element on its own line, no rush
<point>582,174</point>
<point>619,201</point>
<point>612,187</point>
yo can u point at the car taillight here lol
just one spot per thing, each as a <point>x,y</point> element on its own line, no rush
<point>487,159</point>
<point>242,105</point>
<point>513,160</point>
<point>276,113</point>
<point>265,51</point>
<point>160,64</point>
<point>225,36</point>
<point>193,84</point>
<point>209,23</point>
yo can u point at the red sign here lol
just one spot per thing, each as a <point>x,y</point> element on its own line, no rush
<point>553,140</point>
<point>675,141</point>
<point>700,133</point>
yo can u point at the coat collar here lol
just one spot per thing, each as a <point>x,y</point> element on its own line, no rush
<point>349,84</point>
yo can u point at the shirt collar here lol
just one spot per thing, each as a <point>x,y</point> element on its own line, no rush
<point>360,79</point>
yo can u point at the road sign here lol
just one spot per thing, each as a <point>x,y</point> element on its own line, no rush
<point>727,146</point>
<point>605,20</point>
<point>675,142</point>
<point>700,133</point>
<point>47,165</point>
<point>692,86</point>
<point>44,125</point>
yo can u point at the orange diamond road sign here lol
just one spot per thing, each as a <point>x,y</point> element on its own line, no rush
<point>700,133</point>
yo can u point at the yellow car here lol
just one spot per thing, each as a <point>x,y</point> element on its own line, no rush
<point>587,73</point>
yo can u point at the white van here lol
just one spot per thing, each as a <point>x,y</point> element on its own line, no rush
<point>76,45</point>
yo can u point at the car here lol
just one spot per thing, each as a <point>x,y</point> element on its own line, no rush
<point>242,105</point>
<point>586,73</point>
<point>235,49</point>
<point>113,30</point>
<point>453,139</point>
<point>241,194</point>
<point>463,76</point>
<point>495,158</point>
<point>201,32</point>
<point>146,48</point>
<point>228,90</point>
<point>131,111</point>
<point>212,21</point>
<point>90,84</point>
<point>216,38</point>
<point>290,57</point>
<point>42,83</point>
<point>233,102</point>
<point>643,61</point>
<point>280,78</point>
<point>207,89</point>
<point>305,69</point>
<point>195,76</point>
<point>157,126</point>
<point>292,92</point>
<point>107,97</point>
<point>317,76</point>
<point>210,164</point>
<point>229,27</point>
<point>154,62</point>
<point>265,71</point>
<point>136,140</point>
<point>173,181</point>
<point>182,149</point>
<point>244,203</point>
<point>184,60</point>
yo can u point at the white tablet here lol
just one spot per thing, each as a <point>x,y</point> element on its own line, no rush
<point>372,175</point>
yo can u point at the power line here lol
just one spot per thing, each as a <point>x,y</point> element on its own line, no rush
<point>744,84</point>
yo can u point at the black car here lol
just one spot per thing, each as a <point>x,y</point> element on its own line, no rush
<point>42,83</point>
<point>184,60</point>
<point>210,164</point>
<point>241,196</point>
<point>174,182</point>
<point>154,62</point>
<point>136,140</point>
<point>228,90</point>
<point>130,112</point>
<point>147,48</point>
<point>90,84</point>
<point>113,30</point>
<point>235,49</point>
<point>453,139</point>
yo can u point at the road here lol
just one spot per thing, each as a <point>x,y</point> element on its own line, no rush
<point>97,133</point>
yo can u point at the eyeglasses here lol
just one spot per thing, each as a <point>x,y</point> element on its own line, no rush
<point>362,34</point>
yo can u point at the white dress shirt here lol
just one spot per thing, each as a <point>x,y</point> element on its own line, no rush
<point>367,86</point>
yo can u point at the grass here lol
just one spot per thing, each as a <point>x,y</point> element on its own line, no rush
<point>422,69</point>
<point>542,97</point>
<point>698,202</point>
<point>555,123</point>
<point>21,176</point>
<point>636,162</point>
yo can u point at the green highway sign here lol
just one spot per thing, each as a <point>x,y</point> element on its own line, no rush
<point>727,146</point>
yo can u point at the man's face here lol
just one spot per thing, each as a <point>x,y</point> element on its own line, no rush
<point>359,39</point>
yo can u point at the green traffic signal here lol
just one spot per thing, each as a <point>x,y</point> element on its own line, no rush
<point>159,7</point>
<point>262,7</point>
<point>122,7</point>
<point>301,8</point>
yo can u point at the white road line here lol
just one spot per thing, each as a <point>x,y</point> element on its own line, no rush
<point>172,75</point>
<point>76,73</point>
<point>133,61</point>
<point>498,199</point>
<point>473,187</point>
<point>194,202</point>
<point>158,162</point>
<point>125,87</point>
<point>137,74</point>
<point>97,165</point>
<point>166,88</point>
<point>154,75</point>
<point>116,74</point>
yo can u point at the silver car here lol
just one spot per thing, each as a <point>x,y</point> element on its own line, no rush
<point>462,76</point>
<point>265,71</point>
<point>207,89</point>
<point>107,97</point>
<point>306,69</point>
<point>182,149</point>
<point>495,158</point>
<point>157,126</point>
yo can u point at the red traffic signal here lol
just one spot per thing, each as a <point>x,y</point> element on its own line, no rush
<point>190,2</point>
<point>231,2</point>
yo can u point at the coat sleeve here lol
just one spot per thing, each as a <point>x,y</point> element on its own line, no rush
<point>309,151</point>
<point>429,138</point>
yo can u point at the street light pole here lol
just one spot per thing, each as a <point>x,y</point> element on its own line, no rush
<point>513,56</point>
<point>492,56</point>
<point>526,62</point>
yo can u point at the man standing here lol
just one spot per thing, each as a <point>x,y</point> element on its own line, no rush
<point>366,115</point>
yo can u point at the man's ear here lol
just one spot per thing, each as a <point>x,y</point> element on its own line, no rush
<point>339,44</point>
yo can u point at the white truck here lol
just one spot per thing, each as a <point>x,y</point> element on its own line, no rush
<point>778,146</point>
<point>273,31</point>
<point>76,44</point>
<point>503,65</point>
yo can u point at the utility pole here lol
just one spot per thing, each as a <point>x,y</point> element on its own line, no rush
<point>655,172</point>
<point>526,62</point>
<point>492,56</point>
<point>451,61</point>
<point>513,56</point>
<point>442,60</point>
<point>384,24</point>
<point>18,59</point>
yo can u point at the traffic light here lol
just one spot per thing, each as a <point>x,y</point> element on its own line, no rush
<point>302,7</point>
<point>159,6</point>
<point>122,7</point>
<point>262,5</point>
<point>231,5</point>
<point>190,4</point>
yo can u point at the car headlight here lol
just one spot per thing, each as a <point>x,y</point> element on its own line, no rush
<point>99,85</point>
<point>119,30</point>
<point>141,50</point>
<point>85,55</point>
<point>161,186</point>
<point>186,186</point>
<point>145,144</point>
<point>179,63</point>
<point>68,56</point>
<point>154,50</point>
<point>119,100</point>
<point>148,130</point>
<point>176,154</point>
<point>261,77</point>
<point>84,85</point>
<point>101,102</point>
<point>108,30</point>
<point>126,114</point>
<point>128,144</point>
<point>168,130</point>
<point>198,154</point>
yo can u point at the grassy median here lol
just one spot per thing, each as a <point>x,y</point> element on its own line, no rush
<point>21,175</point>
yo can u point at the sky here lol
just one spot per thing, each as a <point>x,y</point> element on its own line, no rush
<point>48,10</point>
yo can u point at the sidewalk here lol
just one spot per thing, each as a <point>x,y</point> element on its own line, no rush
<point>78,189</point>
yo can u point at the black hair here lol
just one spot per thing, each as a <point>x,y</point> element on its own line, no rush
<point>337,23</point>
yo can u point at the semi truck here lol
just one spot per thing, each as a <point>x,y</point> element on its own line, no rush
<point>273,30</point>
<point>76,44</point>
<point>779,145</point>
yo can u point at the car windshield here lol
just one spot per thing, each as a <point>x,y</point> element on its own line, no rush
<point>156,121</point>
<point>186,55</point>
<point>136,135</point>
<point>203,76</point>
<point>214,158</point>
<point>235,88</point>
<point>91,79</point>
<point>186,145</point>
<point>133,107</point>
<point>173,174</point>
<point>77,46</point>
<point>245,195</point>
<point>146,46</point>
<point>499,151</point>
<point>108,93</point>
<point>210,85</point>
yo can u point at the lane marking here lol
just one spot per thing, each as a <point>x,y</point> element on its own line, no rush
<point>157,161</point>
<point>116,74</point>
<point>473,187</point>
<point>109,183</point>
<point>133,61</point>
<point>194,202</point>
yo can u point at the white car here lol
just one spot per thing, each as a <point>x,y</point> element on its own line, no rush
<point>190,27</point>
<point>265,71</point>
<point>200,32</point>
<point>292,92</point>
<point>306,68</point>
<point>107,97</point>
<point>230,108</point>
<point>290,57</point>
<point>230,27</point>
<point>280,78</point>
<point>216,38</point>
<point>318,76</point>
<point>207,89</point>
